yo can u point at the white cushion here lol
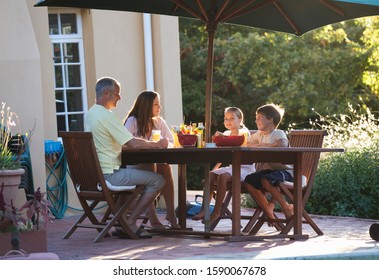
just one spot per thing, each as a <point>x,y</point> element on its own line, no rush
<point>303,182</point>
<point>116,188</point>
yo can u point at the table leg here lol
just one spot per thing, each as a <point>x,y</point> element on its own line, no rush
<point>298,197</point>
<point>206,199</point>
<point>236,194</point>
<point>182,194</point>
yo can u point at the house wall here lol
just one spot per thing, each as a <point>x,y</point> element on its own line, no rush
<point>22,84</point>
<point>114,46</point>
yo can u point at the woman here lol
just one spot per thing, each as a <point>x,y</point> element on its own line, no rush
<point>142,119</point>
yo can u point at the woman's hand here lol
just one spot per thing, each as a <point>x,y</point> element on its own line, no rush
<point>163,143</point>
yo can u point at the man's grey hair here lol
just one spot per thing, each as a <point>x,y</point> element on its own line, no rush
<point>104,84</point>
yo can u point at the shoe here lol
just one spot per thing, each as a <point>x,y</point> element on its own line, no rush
<point>120,234</point>
<point>153,227</point>
<point>141,233</point>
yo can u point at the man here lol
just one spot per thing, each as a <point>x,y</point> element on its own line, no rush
<point>109,136</point>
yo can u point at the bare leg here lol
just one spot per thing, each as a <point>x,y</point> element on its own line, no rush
<point>212,181</point>
<point>153,217</point>
<point>260,198</point>
<point>143,202</point>
<point>222,181</point>
<point>168,193</point>
<point>278,196</point>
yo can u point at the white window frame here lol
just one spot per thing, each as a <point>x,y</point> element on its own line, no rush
<point>77,39</point>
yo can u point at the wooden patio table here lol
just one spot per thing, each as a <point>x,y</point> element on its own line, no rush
<point>227,155</point>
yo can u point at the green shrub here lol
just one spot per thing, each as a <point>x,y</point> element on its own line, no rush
<point>347,184</point>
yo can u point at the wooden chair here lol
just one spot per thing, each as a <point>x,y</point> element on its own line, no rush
<point>91,187</point>
<point>298,138</point>
<point>225,213</point>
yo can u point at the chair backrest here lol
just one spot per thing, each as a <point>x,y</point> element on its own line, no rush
<point>83,164</point>
<point>309,139</point>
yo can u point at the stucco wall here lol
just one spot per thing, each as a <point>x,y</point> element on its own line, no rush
<point>21,76</point>
<point>113,43</point>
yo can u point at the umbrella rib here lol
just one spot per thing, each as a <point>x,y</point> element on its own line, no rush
<point>202,9</point>
<point>202,16</point>
<point>286,16</point>
<point>220,12</point>
<point>333,7</point>
<point>239,11</point>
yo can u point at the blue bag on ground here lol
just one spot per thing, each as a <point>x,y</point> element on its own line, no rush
<point>194,207</point>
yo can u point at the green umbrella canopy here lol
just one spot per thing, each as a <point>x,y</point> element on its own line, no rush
<point>289,16</point>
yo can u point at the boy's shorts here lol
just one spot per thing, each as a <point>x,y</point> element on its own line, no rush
<point>273,176</point>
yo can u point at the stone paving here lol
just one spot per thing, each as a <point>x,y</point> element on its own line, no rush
<point>344,238</point>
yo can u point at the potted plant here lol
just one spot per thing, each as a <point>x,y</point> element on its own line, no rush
<point>12,146</point>
<point>12,224</point>
<point>36,207</point>
<point>15,229</point>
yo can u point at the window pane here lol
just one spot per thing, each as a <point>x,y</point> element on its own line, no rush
<point>59,101</point>
<point>68,23</point>
<point>73,76</point>
<point>61,123</point>
<point>76,122</point>
<point>58,76</point>
<point>57,53</point>
<point>71,52</point>
<point>53,24</point>
<point>74,100</point>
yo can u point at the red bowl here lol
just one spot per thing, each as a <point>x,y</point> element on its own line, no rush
<point>187,140</point>
<point>228,140</point>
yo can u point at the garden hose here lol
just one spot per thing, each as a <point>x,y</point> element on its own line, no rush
<point>56,184</point>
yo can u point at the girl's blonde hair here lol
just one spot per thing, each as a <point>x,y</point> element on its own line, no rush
<point>238,113</point>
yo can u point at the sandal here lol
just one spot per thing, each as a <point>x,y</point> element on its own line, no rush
<point>174,226</point>
<point>198,217</point>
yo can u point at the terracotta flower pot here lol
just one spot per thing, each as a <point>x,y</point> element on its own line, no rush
<point>11,179</point>
<point>30,241</point>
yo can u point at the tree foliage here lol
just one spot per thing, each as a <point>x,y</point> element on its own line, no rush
<point>324,69</point>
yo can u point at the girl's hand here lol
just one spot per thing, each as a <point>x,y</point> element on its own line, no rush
<point>218,133</point>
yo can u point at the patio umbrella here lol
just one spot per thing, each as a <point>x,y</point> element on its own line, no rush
<point>290,16</point>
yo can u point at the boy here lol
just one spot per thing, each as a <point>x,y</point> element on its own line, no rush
<point>269,175</point>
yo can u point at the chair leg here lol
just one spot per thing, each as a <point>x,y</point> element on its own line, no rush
<point>310,221</point>
<point>118,217</point>
<point>87,214</point>
<point>253,220</point>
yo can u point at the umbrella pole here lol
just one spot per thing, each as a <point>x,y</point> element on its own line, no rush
<point>209,81</point>
<point>211,28</point>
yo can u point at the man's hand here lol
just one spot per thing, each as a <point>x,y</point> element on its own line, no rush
<point>139,143</point>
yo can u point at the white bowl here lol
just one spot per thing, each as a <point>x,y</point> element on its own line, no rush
<point>210,145</point>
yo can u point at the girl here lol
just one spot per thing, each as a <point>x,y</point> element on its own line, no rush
<point>219,177</point>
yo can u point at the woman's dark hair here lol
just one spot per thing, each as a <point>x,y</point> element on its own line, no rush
<point>142,110</point>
